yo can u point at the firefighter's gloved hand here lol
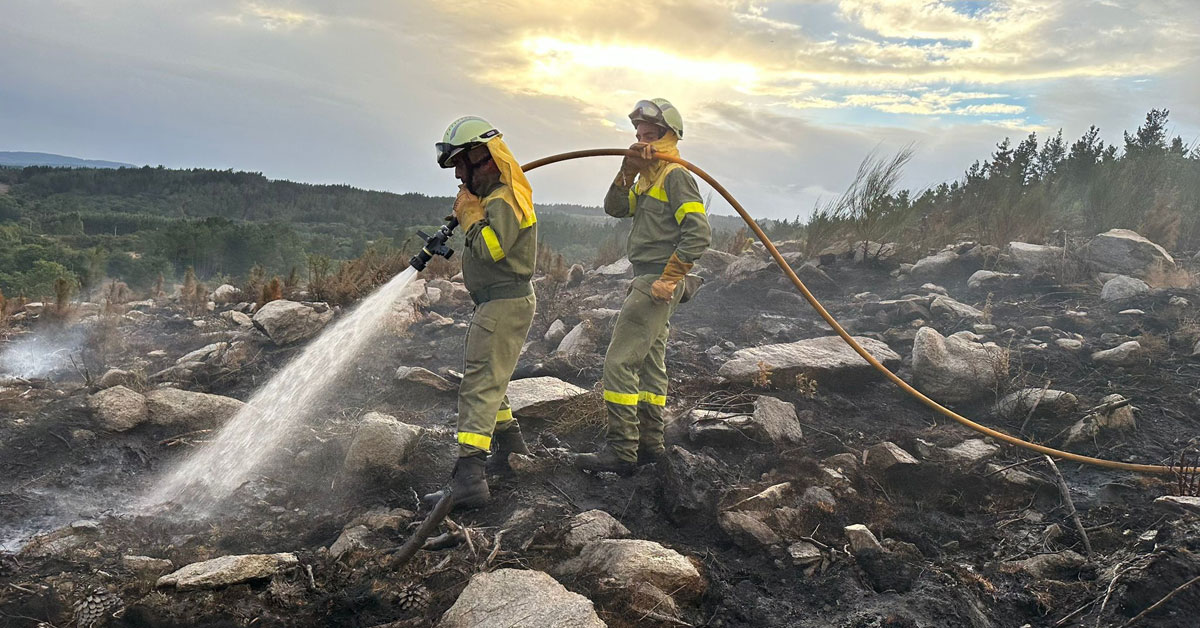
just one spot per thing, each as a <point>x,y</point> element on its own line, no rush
<point>467,208</point>
<point>662,290</point>
<point>631,166</point>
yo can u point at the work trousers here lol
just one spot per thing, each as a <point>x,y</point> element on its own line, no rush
<point>494,339</point>
<point>635,371</point>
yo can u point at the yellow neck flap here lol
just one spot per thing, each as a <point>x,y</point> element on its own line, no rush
<point>512,176</point>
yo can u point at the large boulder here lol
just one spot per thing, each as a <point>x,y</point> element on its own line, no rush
<point>1044,403</point>
<point>203,354</point>
<point>956,369</point>
<point>773,421</point>
<point>285,322</point>
<point>746,265</point>
<point>171,406</point>
<point>1124,354</point>
<point>715,261</point>
<point>380,442</point>
<point>1116,416</point>
<point>225,294</point>
<point>827,360</point>
<point>692,483</point>
<point>591,526</point>
<point>949,308</point>
<point>748,530</point>
<point>1122,287</point>
<point>625,563</point>
<point>228,570</point>
<point>988,279</point>
<point>118,377</point>
<point>1032,258</point>
<point>1128,253</point>
<point>452,292</point>
<point>578,342</point>
<point>541,397</point>
<point>516,597</point>
<point>619,268</point>
<point>934,265</point>
<point>118,408</point>
<point>417,378</point>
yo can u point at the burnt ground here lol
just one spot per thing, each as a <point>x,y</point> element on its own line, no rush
<point>953,532</point>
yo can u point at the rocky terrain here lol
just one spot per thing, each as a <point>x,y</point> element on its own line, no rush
<point>799,489</point>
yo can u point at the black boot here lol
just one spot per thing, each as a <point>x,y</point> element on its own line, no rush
<point>605,460</point>
<point>648,455</point>
<point>510,441</point>
<point>468,484</point>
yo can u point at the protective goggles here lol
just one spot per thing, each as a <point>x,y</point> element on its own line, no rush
<point>446,154</point>
<point>647,111</point>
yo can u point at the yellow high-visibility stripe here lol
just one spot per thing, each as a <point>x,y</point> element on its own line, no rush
<point>504,416</point>
<point>529,222</point>
<point>652,399</point>
<point>632,202</point>
<point>658,193</point>
<point>475,440</point>
<point>623,399</point>
<point>688,208</point>
<point>492,242</point>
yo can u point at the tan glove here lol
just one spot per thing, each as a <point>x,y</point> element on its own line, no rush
<point>663,288</point>
<point>467,208</point>
<point>631,166</point>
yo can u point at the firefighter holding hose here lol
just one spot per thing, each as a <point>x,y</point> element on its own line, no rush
<point>670,232</point>
<point>494,209</point>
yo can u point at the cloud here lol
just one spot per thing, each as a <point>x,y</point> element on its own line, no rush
<point>781,98</point>
<point>272,18</point>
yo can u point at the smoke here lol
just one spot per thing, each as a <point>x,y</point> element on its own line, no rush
<point>41,354</point>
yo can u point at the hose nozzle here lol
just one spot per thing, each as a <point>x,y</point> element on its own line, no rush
<point>434,245</point>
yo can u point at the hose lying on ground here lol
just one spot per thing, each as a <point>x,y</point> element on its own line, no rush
<point>812,300</point>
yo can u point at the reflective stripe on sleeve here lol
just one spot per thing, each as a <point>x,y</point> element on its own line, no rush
<point>504,416</point>
<point>688,208</point>
<point>492,242</point>
<point>632,202</point>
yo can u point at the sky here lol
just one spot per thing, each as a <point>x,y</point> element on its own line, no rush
<point>781,99</point>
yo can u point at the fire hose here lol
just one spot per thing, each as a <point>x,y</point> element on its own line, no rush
<point>439,239</point>
<point>436,245</point>
<point>812,300</point>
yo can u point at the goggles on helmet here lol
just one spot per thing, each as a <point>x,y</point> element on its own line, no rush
<point>647,111</point>
<point>449,153</point>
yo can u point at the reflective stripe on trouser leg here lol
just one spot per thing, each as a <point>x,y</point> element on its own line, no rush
<point>640,323</point>
<point>653,395</point>
<point>494,341</point>
<point>504,417</point>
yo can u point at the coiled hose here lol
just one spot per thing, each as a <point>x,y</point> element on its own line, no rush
<point>812,300</point>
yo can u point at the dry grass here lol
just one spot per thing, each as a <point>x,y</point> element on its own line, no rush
<point>271,291</point>
<point>583,412</point>
<point>805,386</point>
<point>192,295</point>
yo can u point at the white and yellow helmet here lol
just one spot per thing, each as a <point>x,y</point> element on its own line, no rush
<point>463,134</point>
<point>658,111</point>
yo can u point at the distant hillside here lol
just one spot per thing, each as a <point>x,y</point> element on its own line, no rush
<point>16,159</point>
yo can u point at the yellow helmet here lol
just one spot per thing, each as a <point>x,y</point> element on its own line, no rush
<point>658,111</point>
<point>463,134</point>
